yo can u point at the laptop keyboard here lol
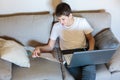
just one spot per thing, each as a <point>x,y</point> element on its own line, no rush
<point>68,58</point>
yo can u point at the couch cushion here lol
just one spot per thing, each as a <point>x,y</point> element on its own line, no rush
<point>41,69</point>
<point>22,26</point>
<point>114,64</point>
<point>115,76</point>
<point>106,40</point>
<point>5,70</point>
<point>102,72</point>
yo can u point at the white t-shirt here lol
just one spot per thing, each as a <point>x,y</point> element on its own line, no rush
<point>73,36</point>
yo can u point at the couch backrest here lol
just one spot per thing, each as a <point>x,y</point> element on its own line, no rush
<point>98,20</point>
<point>34,28</point>
<point>27,28</point>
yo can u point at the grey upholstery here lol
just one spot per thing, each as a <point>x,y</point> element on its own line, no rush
<point>106,40</point>
<point>5,70</point>
<point>30,30</point>
<point>34,29</point>
<point>21,27</point>
<point>41,69</point>
<point>102,72</point>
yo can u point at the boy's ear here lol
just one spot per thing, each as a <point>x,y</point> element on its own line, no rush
<point>70,15</point>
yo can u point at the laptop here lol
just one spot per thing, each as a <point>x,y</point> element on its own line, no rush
<point>89,57</point>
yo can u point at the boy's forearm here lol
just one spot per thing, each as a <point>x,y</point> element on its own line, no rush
<point>45,48</point>
<point>91,44</point>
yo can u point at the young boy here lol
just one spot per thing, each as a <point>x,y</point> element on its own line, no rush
<point>72,32</point>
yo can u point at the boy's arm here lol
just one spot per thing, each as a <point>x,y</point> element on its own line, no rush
<point>48,47</point>
<point>91,41</point>
<point>39,49</point>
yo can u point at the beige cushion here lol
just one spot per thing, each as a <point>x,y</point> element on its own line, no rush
<point>13,52</point>
<point>2,41</point>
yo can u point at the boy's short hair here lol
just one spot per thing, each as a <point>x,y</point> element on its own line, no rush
<point>63,9</point>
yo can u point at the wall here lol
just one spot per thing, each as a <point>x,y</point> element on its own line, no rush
<point>12,6</point>
<point>112,6</point>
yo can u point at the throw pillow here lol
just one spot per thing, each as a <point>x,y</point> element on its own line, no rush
<point>13,52</point>
<point>2,41</point>
<point>105,39</point>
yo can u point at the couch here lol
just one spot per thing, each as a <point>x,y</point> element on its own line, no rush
<point>21,32</point>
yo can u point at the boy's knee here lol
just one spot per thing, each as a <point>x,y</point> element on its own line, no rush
<point>90,68</point>
<point>89,72</point>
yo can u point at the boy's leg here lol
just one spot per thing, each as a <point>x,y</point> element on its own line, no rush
<point>89,72</point>
<point>75,72</point>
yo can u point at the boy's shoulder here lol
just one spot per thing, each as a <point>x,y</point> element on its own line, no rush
<point>56,23</point>
<point>79,18</point>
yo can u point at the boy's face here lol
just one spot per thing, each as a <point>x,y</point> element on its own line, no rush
<point>65,20</point>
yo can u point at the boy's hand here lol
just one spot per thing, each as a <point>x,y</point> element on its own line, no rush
<point>36,52</point>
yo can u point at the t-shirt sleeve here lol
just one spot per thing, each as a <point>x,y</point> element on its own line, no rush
<point>87,27</point>
<point>54,32</point>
